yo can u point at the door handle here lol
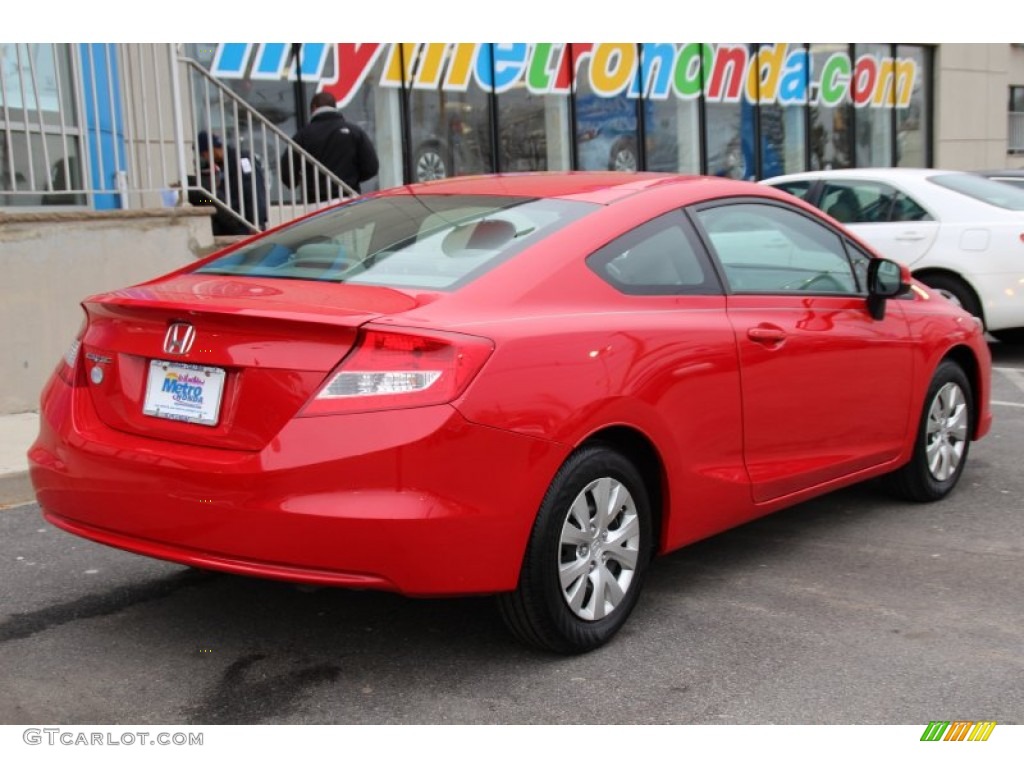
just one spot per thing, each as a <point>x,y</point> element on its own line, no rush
<point>911,236</point>
<point>766,334</point>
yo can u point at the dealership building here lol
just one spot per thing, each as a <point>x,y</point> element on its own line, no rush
<point>97,141</point>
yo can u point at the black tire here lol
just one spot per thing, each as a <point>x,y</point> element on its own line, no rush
<point>943,438</point>
<point>1009,335</point>
<point>623,156</point>
<point>613,554</point>
<point>956,290</point>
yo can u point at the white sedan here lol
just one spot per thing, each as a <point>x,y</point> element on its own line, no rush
<point>961,234</point>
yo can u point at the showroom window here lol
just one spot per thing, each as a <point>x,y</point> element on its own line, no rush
<point>606,127</point>
<point>671,115</point>
<point>533,123</point>
<point>781,114</point>
<point>729,117</point>
<point>874,90</point>
<point>736,110</point>
<point>913,123</point>
<point>830,108</point>
<point>449,130</point>
<point>40,138</point>
<point>1016,127</point>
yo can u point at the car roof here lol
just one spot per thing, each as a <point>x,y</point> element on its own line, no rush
<point>602,187</point>
<point>862,173</point>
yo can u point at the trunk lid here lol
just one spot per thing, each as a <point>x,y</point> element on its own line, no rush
<point>235,358</point>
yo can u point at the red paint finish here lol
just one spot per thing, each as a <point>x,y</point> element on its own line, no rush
<point>429,481</point>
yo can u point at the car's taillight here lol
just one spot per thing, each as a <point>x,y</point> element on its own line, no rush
<point>401,369</point>
<point>66,366</point>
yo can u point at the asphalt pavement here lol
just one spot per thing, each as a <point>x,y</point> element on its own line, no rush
<point>852,608</point>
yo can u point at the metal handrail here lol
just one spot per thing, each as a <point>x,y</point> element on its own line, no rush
<point>118,128</point>
<point>218,109</point>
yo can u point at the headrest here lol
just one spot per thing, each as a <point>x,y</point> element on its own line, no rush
<point>485,235</point>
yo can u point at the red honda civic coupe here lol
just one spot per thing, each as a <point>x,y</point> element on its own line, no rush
<point>524,385</point>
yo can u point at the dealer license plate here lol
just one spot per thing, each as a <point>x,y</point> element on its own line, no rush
<point>184,392</point>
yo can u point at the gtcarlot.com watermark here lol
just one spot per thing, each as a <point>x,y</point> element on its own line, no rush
<point>71,738</point>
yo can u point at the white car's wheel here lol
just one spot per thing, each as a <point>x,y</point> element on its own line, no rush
<point>955,290</point>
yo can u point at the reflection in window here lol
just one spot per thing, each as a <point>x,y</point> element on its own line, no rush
<point>533,131</point>
<point>671,122</point>
<point>782,117</point>
<point>830,107</point>
<point>874,91</point>
<point>451,133</point>
<point>729,115</point>
<point>606,128</point>
<point>911,128</point>
<point>725,153</point>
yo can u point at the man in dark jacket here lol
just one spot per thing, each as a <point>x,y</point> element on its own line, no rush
<point>237,183</point>
<point>340,145</point>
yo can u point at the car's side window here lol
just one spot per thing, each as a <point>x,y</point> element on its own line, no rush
<point>662,256</point>
<point>905,209</point>
<point>772,249</point>
<point>868,202</point>
<point>799,189</point>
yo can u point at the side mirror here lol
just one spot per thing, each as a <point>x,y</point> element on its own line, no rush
<point>886,279</point>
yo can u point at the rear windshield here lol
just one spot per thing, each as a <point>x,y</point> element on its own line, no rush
<point>986,190</point>
<point>428,241</point>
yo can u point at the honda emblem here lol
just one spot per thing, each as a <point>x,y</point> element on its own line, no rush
<point>179,338</point>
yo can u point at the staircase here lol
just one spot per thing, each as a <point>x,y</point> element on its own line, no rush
<point>219,115</point>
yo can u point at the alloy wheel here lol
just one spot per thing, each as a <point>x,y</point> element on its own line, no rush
<point>599,547</point>
<point>946,436</point>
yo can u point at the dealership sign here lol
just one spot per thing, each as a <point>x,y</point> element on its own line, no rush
<point>779,73</point>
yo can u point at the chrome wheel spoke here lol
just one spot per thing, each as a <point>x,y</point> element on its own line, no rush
<point>573,534</point>
<point>947,432</point>
<point>579,516</point>
<point>609,498</point>
<point>599,546</point>
<point>957,423</point>
<point>576,594</point>
<point>627,532</point>
<point>572,573</point>
<point>626,557</point>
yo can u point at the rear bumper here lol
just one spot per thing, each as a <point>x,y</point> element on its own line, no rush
<point>418,501</point>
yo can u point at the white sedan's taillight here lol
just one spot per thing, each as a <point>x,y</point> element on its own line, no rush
<point>401,369</point>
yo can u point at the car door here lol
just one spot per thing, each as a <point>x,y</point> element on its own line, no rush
<point>896,225</point>
<point>825,387</point>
